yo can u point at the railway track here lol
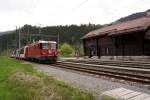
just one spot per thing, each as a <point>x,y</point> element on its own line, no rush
<point>138,75</point>
<point>128,64</point>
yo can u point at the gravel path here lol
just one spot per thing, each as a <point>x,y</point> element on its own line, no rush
<point>85,82</point>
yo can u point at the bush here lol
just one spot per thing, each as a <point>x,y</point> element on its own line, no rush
<point>66,50</point>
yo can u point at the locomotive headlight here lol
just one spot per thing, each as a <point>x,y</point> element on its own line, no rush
<point>49,51</point>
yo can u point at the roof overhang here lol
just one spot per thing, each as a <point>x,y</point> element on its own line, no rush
<point>137,25</point>
<point>127,31</point>
<point>98,34</point>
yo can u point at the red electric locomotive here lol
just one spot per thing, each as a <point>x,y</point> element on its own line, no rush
<point>40,51</point>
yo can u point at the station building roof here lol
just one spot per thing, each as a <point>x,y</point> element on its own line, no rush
<point>121,28</point>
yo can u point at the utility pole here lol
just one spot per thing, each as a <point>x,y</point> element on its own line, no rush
<point>7,47</point>
<point>40,31</point>
<point>19,39</point>
<point>16,38</point>
<point>58,40</point>
<point>28,39</point>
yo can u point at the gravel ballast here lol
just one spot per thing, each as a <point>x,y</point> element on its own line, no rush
<point>85,82</point>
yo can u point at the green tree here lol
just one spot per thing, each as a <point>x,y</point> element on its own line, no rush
<point>66,50</point>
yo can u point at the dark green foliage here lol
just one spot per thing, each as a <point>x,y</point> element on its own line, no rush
<point>68,34</point>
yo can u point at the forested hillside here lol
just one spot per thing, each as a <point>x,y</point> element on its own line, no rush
<point>70,34</point>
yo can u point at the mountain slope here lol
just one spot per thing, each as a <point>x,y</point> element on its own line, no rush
<point>132,16</point>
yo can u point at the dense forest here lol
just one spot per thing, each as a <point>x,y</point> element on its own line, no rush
<point>70,34</point>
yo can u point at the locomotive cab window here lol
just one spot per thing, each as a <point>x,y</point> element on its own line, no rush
<point>53,45</point>
<point>45,46</point>
<point>21,51</point>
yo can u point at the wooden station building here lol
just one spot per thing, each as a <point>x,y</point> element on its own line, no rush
<point>131,38</point>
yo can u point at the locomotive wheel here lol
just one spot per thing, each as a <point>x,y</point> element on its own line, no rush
<point>53,60</point>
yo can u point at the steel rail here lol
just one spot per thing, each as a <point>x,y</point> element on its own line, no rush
<point>115,74</point>
<point>119,64</point>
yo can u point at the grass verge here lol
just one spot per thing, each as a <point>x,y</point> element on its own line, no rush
<point>19,81</point>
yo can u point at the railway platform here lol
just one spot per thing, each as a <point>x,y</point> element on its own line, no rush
<point>107,58</point>
<point>125,94</point>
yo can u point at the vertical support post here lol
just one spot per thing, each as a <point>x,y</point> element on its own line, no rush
<point>19,42</point>
<point>116,47</point>
<point>97,47</point>
<point>84,47</point>
<point>7,47</point>
<point>123,48</point>
<point>40,32</point>
<point>58,40</point>
<point>28,39</point>
<point>16,38</point>
<point>143,43</point>
<point>19,39</point>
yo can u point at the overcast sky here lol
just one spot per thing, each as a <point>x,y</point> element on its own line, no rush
<point>62,12</point>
